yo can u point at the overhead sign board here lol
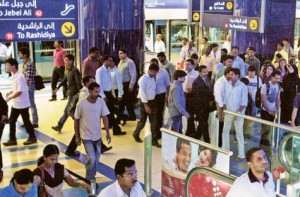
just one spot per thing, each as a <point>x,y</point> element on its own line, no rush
<point>240,23</point>
<point>195,11</point>
<point>37,20</point>
<point>219,7</point>
<point>166,4</point>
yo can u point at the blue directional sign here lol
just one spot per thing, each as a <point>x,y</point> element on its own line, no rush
<point>166,4</point>
<point>224,7</point>
<point>37,20</point>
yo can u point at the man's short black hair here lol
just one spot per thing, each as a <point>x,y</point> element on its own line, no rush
<point>235,47</point>
<point>281,44</point>
<point>23,177</point>
<point>161,54</point>
<point>194,56</point>
<point>213,45</point>
<point>181,141</point>
<point>12,62</point>
<point>205,38</point>
<point>201,67</point>
<point>24,51</point>
<point>60,42</point>
<point>190,60</point>
<point>70,57</point>
<point>250,152</point>
<point>86,79</point>
<point>278,55</point>
<point>275,72</point>
<point>224,51</point>
<point>252,68</point>
<point>236,71</point>
<point>123,50</point>
<point>179,74</point>
<point>93,50</point>
<point>223,58</point>
<point>229,57</point>
<point>286,39</point>
<point>121,164</point>
<point>93,85</point>
<point>153,66</point>
<point>184,39</point>
<point>154,60</point>
<point>106,57</point>
<point>252,48</point>
<point>227,70</point>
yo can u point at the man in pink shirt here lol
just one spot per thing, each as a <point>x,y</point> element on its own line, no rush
<point>91,63</point>
<point>59,69</point>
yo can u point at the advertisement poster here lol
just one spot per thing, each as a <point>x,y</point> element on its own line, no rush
<point>179,157</point>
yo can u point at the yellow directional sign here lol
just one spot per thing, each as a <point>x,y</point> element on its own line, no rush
<point>196,17</point>
<point>68,29</point>
<point>229,5</point>
<point>253,24</point>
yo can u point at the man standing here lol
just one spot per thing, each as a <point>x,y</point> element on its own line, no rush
<point>73,82</point>
<point>251,60</point>
<point>126,183</point>
<point>289,50</point>
<point>188,51</point>
<point>164,63</point>
<point>238,62</point>
<point>87,127</point>
<point>236,100</point>
<point>209,61</point>
<point>215,52</point>
<point>202,46</point>
<point>202,96</point>
<point>159,45</point>
<point>270,97</point>
<point>21,104</point>
<point>257,182</point>
<point>59,55</point>
<point>29,71</point>
<point>163,84</point>
<point>128,70</point>
<point>192,74</point>
<point>103,78</point>
<point>148,106</point>
<point>280,51</point>
<point>91,63</point>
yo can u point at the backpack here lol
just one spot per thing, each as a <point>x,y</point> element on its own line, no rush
<point>258,102</point>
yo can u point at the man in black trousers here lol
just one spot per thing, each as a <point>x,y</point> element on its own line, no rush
<point>3,120</point>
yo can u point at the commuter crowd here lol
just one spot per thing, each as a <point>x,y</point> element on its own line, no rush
<point>203,81</point>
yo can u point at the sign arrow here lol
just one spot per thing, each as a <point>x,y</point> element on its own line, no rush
<point>69,29</point>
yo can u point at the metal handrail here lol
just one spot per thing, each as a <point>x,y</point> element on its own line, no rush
<point>263,122</point>
<point>210,146</point>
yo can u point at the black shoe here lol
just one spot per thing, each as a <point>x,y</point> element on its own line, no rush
<point>120,133</point>
<point>155,143</point>
<point>73,154</point>
<point>52,99</point>
<point>103,150</point>
<point>10,143</point>
<point>35,125</point>
<point>30,141</point>
<point>131,118</point>
<point>138,139</point>
<point>56,128</point>
<point>64,98</point>
<point>1,175</point>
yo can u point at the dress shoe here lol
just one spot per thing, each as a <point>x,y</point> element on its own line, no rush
<point>64,98</point>
<point>155,143</point>
<point>52,99</point>
<point>56,128</point>
<point>120,133</point>
<point>138,139</point>
<point>10,143</point>
<point>103,150</point>
<point>30,141</point>
<point>73,154</point>
<point>35,125</point>
<point>1,175</point>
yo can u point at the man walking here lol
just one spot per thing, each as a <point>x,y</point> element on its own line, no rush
<point>87,127</point>
<point>127,68</point>
<point>21,104</point>
<point>73,82</point>
<point>59,55</point>
<point>103,78</point>
<point>91,63</point>
<point>29,71</point>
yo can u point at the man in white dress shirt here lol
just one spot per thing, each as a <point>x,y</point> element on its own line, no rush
<point>103,78</point>
<point>126,184</point>
<point>159,45</point>
<point>3,52</point>
<point>148,107</point>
